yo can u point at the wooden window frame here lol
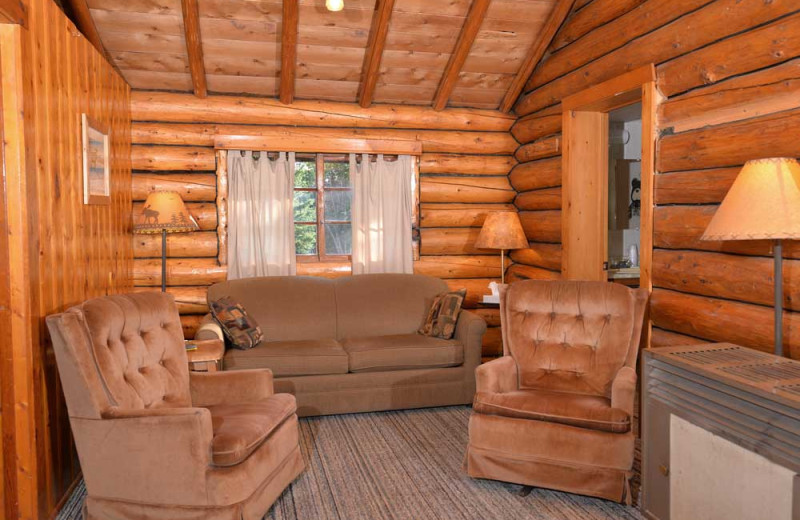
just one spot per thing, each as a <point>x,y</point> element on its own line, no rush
<point>321,256</point>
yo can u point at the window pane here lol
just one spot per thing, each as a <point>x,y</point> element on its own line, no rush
<point>337,174</point>
<point>305,206</point>
<point>305,239</point>
<point>337,204</point>
<point>338,239</point>
<point>305,174</point>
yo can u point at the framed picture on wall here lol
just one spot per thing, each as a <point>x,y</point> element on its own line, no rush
<point>96,167</point>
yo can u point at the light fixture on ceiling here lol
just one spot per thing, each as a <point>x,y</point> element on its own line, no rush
<point>334,5</point>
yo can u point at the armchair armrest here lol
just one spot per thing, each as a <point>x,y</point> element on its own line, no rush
<point>623,389</point>
<point>497,376</point>
<point>163,454</point>
<point>235,386</point>
<point>209,329</point>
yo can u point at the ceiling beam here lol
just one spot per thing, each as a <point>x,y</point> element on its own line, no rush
<point>469,31</point>
<point>537,50</point>
<point>194,46</point>
<point>288,50</point>
<point>13,12</point>
<point>374,53</point>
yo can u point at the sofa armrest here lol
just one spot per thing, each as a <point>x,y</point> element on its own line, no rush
<point>235,386</point>
<point>163,454</point>
<point>469,331</point>
<point>209,329</point>
<point>623,389</point>
<point>497,376</point>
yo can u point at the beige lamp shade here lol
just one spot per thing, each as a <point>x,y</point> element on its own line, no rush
<point>502,230</point>
<point>164,211</point>
<point>763,203</point>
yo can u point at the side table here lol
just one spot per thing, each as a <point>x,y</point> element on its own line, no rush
<point>208,355</point>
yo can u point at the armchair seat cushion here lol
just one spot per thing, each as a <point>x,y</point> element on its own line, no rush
<point>291,358</point>
<point>583,411</point>
<point>240,428</point>
<point>402,351</point>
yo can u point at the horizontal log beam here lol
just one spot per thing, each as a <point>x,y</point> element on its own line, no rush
<point>179,245</point>
<point>546,256</point>
<point>205,213</point>
<point>774,135</point>
<point>458,215</point>
<point>594,15</point>
<point>734,277</point>
<point>492,342</point>
<point>489,143</point>
<point>546,198</point>
<point>723,321</point>
<point>666,338</point>
<point>190,323</point>
<point>466,189</point>
<point>759,48</point>
<point>695,186</point>
<point>544,173</point>
<point>487,266</point>
<point>192,187</point>
<point>450,241</point>
<point>185,108</point>
<point>439,163</point>
<point>520,272</point>
<point>680,227</point>
<point>753,95</point>
<point>490,316</point>
<point>180,271</point>
<point>546,147</point>
<point>172,158</point>
<point>535,126</point>
<point>542,226</point>
<point>190,300</point>
<point>476,289</point>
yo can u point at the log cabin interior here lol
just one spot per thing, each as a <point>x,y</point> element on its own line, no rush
<point>400,259</point>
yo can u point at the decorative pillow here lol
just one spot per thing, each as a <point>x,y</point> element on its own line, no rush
<point>241,330</point>
<point>442,318</point>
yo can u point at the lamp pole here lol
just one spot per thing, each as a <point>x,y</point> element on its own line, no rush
<point>778,255</point>
<point>163,260</point>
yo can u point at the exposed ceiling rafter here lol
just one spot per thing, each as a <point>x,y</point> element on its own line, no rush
<point>374,53</point>
<point>194,46</point>
<point>288,50</point>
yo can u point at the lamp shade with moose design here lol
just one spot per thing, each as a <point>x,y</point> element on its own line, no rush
<point>164,211</point>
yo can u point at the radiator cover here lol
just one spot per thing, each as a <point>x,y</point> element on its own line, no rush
<point>749,398</point>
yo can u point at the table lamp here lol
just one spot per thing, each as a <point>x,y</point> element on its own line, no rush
<point>164,212</point>
<point>502,230</point>
<point>763,203</point>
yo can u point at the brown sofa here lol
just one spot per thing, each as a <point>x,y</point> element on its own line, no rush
<point>350,344</point>
<point>156,441</point>
<point>557,410</point>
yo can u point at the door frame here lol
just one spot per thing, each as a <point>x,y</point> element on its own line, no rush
<point>585,189</point>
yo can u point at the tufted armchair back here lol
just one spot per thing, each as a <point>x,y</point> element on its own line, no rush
<point>571,336</point>
<point>122,351</point>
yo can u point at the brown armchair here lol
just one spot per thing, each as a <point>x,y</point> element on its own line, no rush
<point>556,410</point>
<point>156,441</point>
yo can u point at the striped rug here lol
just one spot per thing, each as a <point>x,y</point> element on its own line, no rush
<point>405,465</point>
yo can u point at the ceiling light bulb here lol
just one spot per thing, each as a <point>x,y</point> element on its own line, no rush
<point>334,5</point>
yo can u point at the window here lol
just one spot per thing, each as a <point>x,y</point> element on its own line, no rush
<point>322,199</point>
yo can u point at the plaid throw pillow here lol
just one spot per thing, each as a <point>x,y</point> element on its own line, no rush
<point>241,330</point>
<point>442,318</point>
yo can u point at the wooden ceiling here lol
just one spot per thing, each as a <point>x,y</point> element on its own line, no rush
<point>465,53</point>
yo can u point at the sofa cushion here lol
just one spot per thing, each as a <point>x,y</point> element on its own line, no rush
<point>240,428</point>
<point>402,351</point>
<point>383,304</point>
<point>291,358</point>
<point>583,411</point>
<point>241,330</point>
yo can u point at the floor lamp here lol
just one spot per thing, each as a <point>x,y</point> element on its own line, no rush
<point>164,212</point>
<point>763,204</point>
<point>502,230</point>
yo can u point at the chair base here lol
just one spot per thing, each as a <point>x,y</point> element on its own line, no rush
<point>253,508</point>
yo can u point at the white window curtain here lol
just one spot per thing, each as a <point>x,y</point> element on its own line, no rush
<point>381,215</point>
<point>260,215</point>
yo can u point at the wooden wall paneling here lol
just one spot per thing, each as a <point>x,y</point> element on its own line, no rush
<point>469,31</point>
<point>596,14</point>
<point>374,52</point>
<point>14,12</point>
<point>547,147</point>
<point>289,30</point>
<point>194,46</point>
<point>560,11</point>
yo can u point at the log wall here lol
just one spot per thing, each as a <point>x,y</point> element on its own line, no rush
<point>467,155</point>
<point>729,73</point>
<point>60,251</point>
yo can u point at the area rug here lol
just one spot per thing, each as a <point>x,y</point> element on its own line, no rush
<point>405,465</point>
